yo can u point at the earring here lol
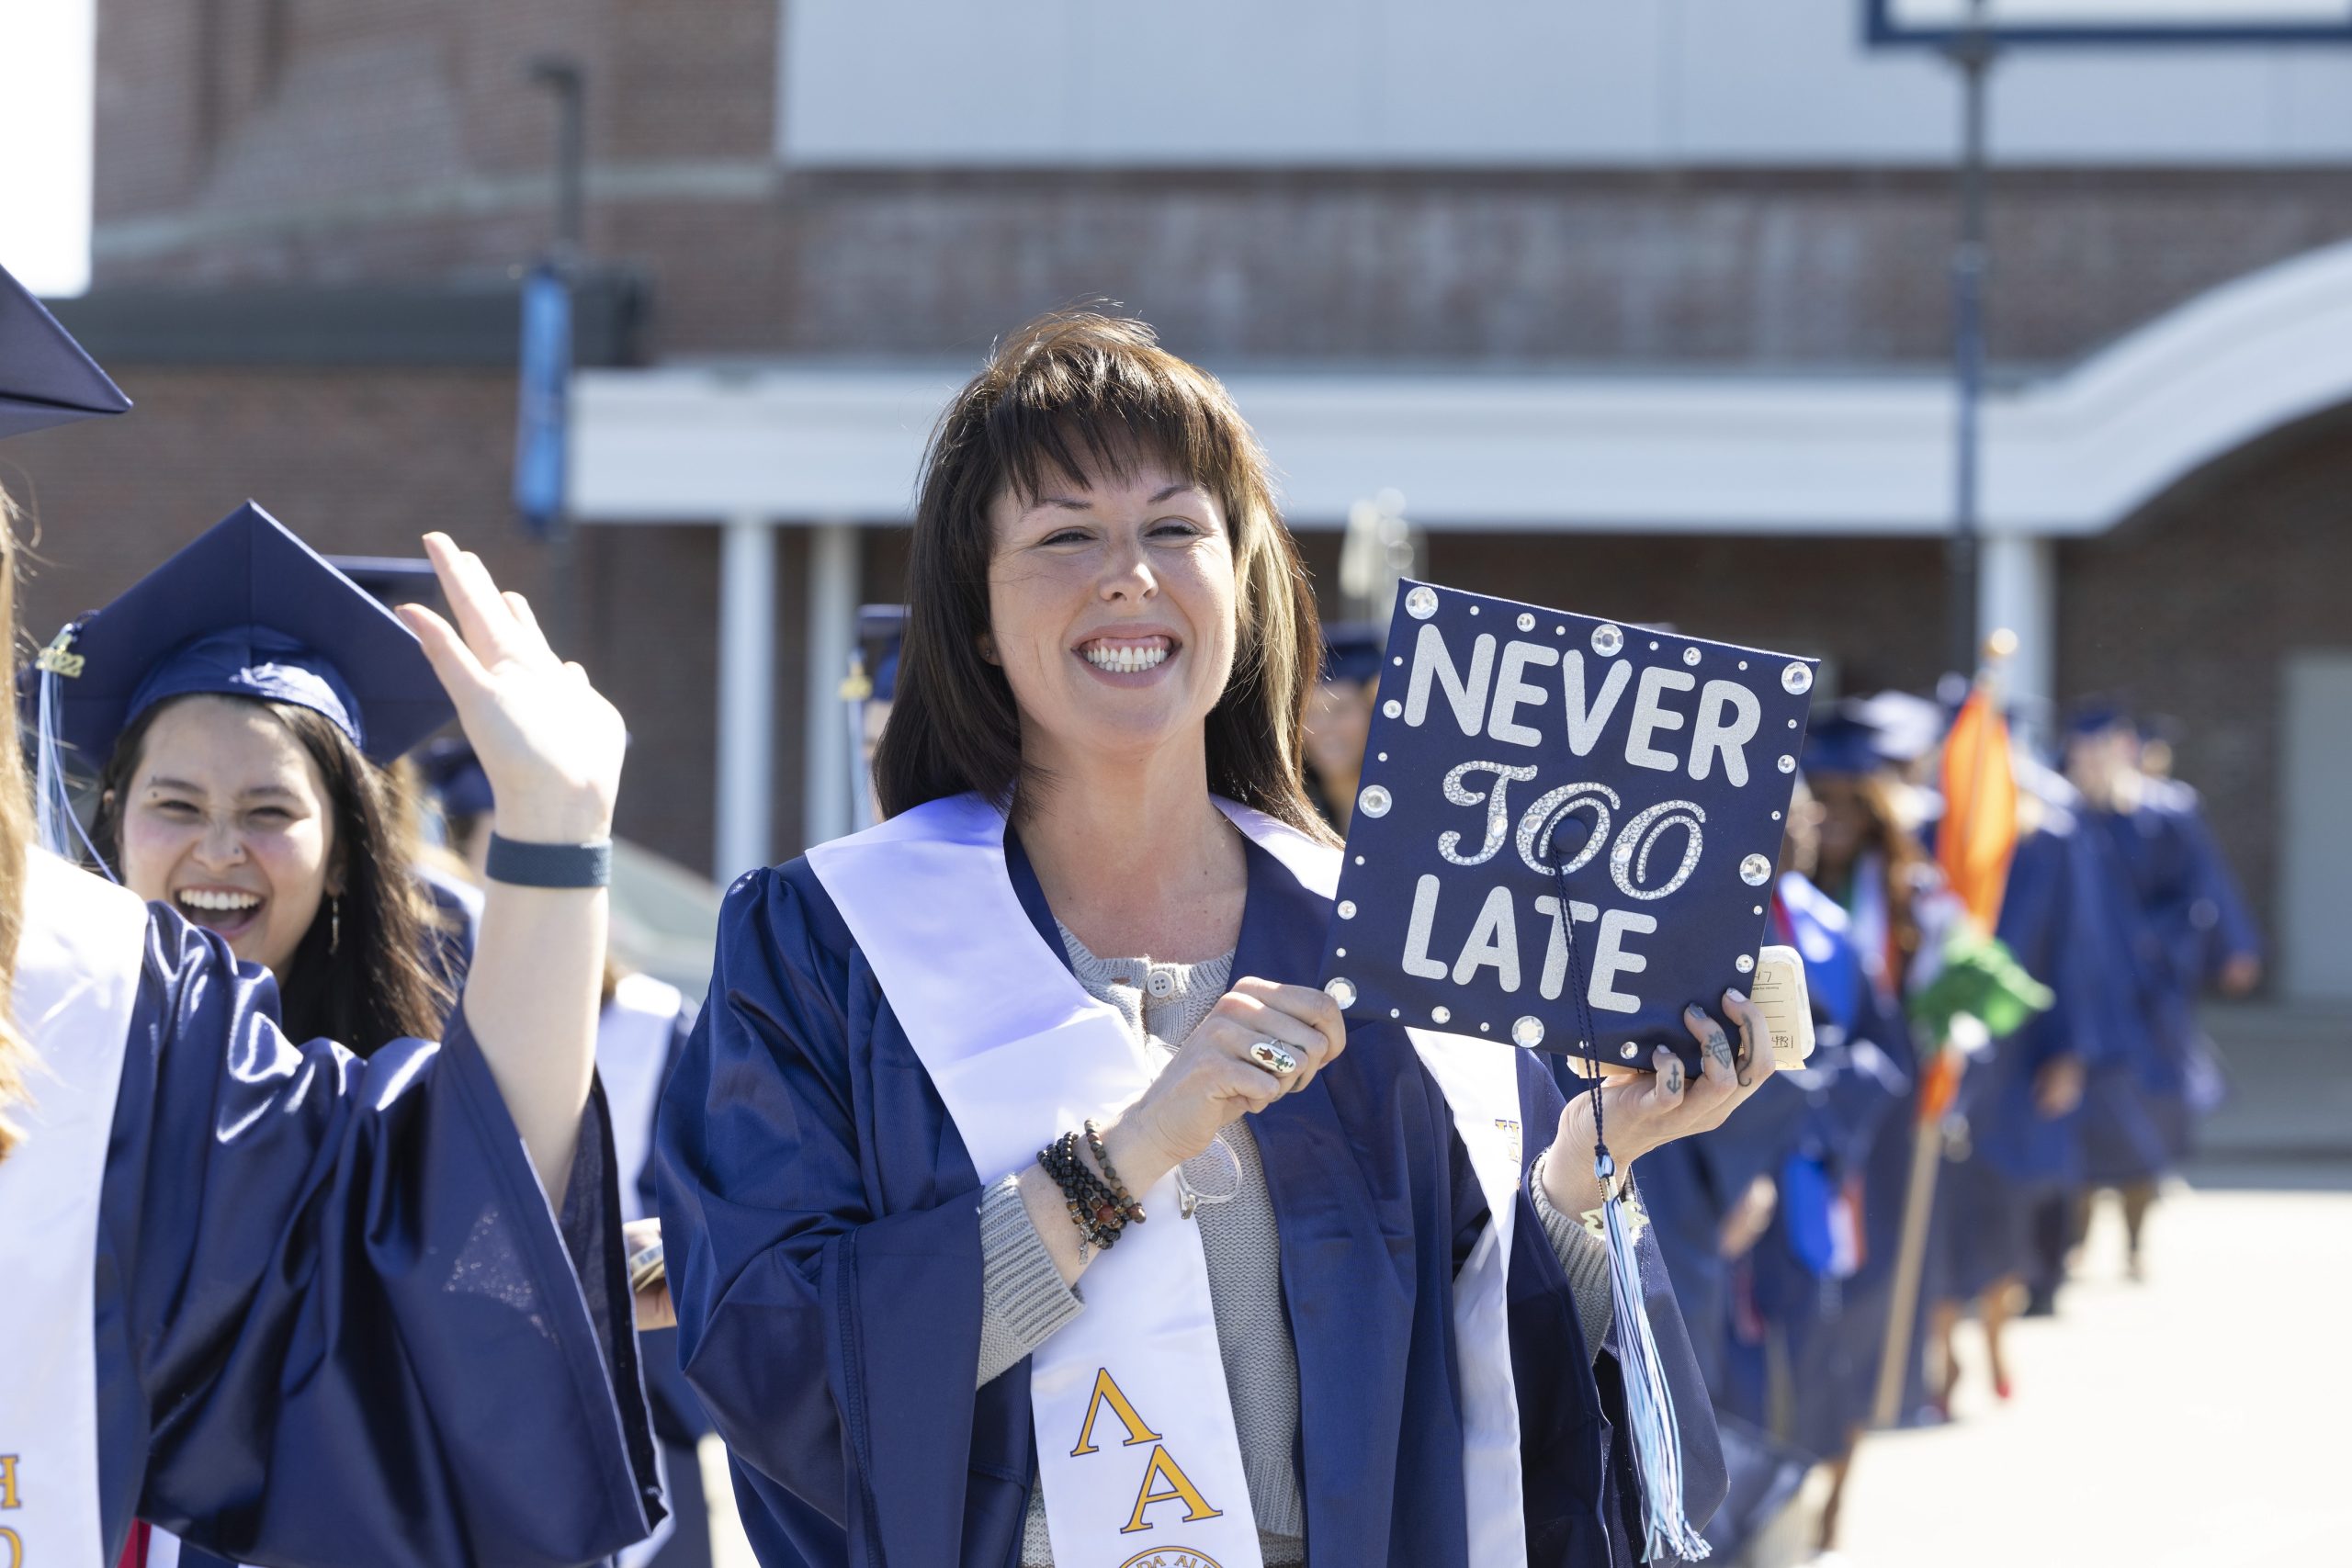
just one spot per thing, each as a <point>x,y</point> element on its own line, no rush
<point>334,922</point>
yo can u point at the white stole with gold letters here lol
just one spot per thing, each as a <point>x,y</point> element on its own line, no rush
<point>1135,1440</point>
<point>77,983</point>
<point>1134,1432</point>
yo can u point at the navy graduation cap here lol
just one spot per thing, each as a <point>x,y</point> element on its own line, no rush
<point>45,378</point>
<point>1845,743</point>
<point>393,580</point>
<point>1518,749</point>
<point>247,610</point>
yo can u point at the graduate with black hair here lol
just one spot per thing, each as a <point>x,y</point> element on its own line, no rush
<point>296,1307</point>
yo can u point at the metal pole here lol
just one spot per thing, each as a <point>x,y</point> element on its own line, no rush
<point>1973,54</point>
<point>562,75</point>
<point>746,695</point>
<point>827,809</point>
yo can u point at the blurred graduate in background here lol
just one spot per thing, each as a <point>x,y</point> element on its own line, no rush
<point>2176,925</point>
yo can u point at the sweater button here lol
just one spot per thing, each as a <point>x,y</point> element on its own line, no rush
<point>1162,984</point>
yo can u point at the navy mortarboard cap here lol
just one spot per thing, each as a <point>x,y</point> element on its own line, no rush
<point>452,772</point>
<point>2096,716</point>
<point>1908,726</point>
<point>45,378</point>
<point>247,610</point>
<point>1352,650</point>
<point>393,580</point>
<point>1565,830</point>
<point>1844,742</point>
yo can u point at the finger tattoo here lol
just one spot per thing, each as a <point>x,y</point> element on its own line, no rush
<point>1717,1047</point>
<point>1674,1076</point>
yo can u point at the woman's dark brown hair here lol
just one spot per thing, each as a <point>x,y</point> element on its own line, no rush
<point>374,983</point>
<point>1075,394</point>
<point>1903,863</point>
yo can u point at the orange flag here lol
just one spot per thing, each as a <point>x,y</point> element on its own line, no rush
<point>1979,831</point>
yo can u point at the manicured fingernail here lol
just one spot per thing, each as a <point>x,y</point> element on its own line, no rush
<point>1736,995</point>
<point>1694,1010</point>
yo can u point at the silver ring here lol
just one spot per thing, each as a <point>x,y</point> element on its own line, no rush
<point>1273,1058</point>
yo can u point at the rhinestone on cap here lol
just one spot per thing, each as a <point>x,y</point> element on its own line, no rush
<point>1340,990</point>
<point>1527,1030</point>
<point>1347,908</point>
<point>1744,963</point>
<point>1526,622</point>
<point>1690,656</point>
<point>1788,763</point>
<point>1607,640</point>
<point>1422,602</point>
<point>1441,1015</point>
<point>1374,801</point>
<point>1393,708</point>
<point>1797,678</point>
<point>1628,1050</point>
<point>1755,871</point>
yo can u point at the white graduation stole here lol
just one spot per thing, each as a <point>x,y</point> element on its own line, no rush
<point>1134,1432</point>
<point>632,1047</point>
<point>77,982</point>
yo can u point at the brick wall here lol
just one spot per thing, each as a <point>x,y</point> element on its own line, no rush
<point>2191,609</point>
<point>363,464</point>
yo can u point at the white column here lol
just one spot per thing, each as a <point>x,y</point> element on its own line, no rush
<point>2017,588</point>
<point>832,629</point>
<point>746,695</point>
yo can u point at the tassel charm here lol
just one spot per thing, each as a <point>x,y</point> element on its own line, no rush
<point>1649,1404</point>
<point>55,827</point>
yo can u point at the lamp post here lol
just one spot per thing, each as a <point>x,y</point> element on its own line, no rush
<point>1972,54</point>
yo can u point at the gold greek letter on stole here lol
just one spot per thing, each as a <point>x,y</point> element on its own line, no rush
<point>1107,1389</point>
<point>8,1482</point>
<point>1180,1487</point>
<point>12,1549</point>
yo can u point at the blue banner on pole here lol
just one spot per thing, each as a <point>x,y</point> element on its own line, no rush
<point>542,435</point>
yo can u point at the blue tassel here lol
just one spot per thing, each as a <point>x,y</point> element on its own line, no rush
<point>1649,1404</point>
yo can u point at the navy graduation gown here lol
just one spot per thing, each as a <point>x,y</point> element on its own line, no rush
<point>2017,1156</point>
<point>821,1216</point>
<point>335,1320</point>
<point>2166,893</point>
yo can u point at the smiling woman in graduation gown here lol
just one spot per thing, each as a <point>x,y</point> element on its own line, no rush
<point>296,1307</point>
<point>831,1199</point>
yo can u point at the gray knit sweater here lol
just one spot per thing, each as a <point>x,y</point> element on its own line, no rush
<point>1025,1300</point>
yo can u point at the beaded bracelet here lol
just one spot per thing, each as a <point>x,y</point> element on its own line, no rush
<point>1094,1209</point>
<point>1126,1200</point>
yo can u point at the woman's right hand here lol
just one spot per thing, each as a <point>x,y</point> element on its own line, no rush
<point>1212,1080</point>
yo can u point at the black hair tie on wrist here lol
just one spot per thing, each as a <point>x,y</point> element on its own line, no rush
<point>549,865</point>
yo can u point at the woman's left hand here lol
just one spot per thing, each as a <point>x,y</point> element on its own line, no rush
<point>1640,1113</point>
<point>551,744</point>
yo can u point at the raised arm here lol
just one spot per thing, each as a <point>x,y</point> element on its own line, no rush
<point>552,748</point>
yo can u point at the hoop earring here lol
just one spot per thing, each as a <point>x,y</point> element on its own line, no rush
<point>335,923</point>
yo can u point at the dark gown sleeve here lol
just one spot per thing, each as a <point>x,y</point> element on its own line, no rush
<point>337,1321</point>
<point>829,1309</point>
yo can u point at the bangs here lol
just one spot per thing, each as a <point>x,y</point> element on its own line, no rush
<point>1080,405</point>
